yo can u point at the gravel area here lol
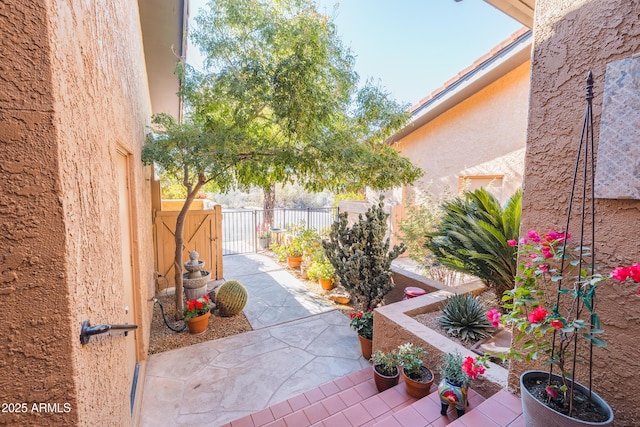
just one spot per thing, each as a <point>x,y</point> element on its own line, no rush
<point>163,339</point>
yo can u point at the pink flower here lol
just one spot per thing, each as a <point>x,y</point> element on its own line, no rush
<point>543,267</point>
<point>533,235</point>
<point>471,368</point>
<point>634,272</point>
<point>557,324</point>
<point>537,315</point>
<point>551,391</point>
<point>546,252</point>
<point>621,273</point>
<point>522,241</point>
<point>532,256</point>
<point>512,242</point>
<point>493,316</point>
<point>529,265</point>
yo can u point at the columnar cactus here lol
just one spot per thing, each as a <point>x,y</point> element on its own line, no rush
<point>361,256</point>
<point>231,298</point>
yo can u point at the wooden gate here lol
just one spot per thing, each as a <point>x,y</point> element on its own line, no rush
<point>202,233</point>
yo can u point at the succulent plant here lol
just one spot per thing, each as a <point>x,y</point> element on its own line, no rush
<point>231,298</point>
<point>464,316</point>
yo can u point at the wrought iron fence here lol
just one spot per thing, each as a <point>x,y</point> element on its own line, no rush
<point>240,226</point>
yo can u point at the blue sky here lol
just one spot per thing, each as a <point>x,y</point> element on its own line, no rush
<point>411,47</point>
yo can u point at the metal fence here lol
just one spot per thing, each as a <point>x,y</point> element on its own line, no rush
<point>239,226</point>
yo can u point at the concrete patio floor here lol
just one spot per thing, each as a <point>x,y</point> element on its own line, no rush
<point>299,342</point>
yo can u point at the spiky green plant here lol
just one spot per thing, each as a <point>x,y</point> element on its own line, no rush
<point>231,298</point>
<point>473,236</point>
<point>464,316</point>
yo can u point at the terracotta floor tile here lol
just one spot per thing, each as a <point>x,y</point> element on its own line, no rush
<point>366,389</point>
<point>518,422</point>
<point>401,406</point>
<point>361,375</point>
<point>476,418</point>
<point>314,395</point>
<point>344,383</point>
<point>475,401</point>
<point>440,422</point>
<point>243,422</point>
<point>509,400</point>
<point>337,420</point>
<point>458,423</point>
<point>388,422</point>
<point>333,404</point>
<point>316,412</point>
<point>393,397</point>
<point>497,412</point>
<point>263,417</point>
<point>350,397</point>
<point>409,417</point>
<point>298,402</point>
<point>330,388</point>
<point>297,419</point>
<point>281,409</point>
<point>357,415</point>
<point>375,406</point>
<point>429,410</point>
<point>277,423</point>
<point>226,425</point>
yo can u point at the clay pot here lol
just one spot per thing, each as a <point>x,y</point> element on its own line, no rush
<point>198,325</point>
<point>384,382</point>
<point>415,388</point>
<point>365,347</point>
<point>327,285</point>
<point>294,261</point>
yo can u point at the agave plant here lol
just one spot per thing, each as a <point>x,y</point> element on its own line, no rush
<point>465,316</point>
<point>473,234</point>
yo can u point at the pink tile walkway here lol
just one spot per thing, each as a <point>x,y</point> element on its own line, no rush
<point>354,401</point>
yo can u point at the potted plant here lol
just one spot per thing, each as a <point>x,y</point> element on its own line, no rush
<point>549,330</point>
<point>263,232</point>
<point>385,369</point>
<point>197,313</point>
<point>457,374</point>
<point>417,377</point>
<point>323,271</point>
<point>362,322</point>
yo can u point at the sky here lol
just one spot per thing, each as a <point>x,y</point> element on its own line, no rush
<point>409,47</point>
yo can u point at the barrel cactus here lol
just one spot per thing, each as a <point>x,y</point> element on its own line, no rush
<point>231,298</point>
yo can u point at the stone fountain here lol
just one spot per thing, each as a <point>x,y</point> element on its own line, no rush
<point>195,280</point>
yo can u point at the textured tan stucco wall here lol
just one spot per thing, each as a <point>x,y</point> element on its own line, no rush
<point>75,94</point>
<point>35,337</point>
<point>570,38</point>
<point>483,135</point>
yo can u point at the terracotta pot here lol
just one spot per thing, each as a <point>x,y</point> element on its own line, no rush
<point>327,285</point>
<point>415,388</point>
<point>537,414</point>
<point>294,261</point>
<point>365,347</point>
<point>384,382</point>
<point>455,394</point>
<point>198,325</point>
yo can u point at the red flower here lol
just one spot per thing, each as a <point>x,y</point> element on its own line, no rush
<point>493,316</point>
<point>557,324</point>
<point>551,391</point>
<point>621,273</point>
<point>206,297</point>
<point>537,315</point>
<point>634,272</point>
<point>352,315</point>
<point>198,304</point>
<point>360,315</point>
<point>512,242</point>
<point>543,267</point>
<point>471,368</point>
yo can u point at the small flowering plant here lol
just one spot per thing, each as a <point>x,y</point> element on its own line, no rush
<point>263,231</point>
<point>552,328</point>
<point>460,370</point>
<point>362,322</point>
<point>196,307</point>
<point>627,274</point>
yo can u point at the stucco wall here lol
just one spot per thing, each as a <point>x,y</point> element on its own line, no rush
<point>75,93</point>
<point>572,37</point>
<point>35,327</point>
<point>483,135</point>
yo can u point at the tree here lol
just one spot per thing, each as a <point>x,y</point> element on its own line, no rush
<point>277,102</point>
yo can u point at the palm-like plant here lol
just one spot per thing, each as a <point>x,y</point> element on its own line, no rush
<point>473,236</point>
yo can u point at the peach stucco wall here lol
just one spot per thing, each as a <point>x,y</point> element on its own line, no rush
<point>483,135</point>
<point>572,37</point>
<point>72,92</point>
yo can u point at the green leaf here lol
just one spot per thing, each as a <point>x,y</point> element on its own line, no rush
<point>596,341</point>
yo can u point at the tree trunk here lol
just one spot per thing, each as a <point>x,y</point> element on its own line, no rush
<point>269,204</point>
<point>177,261</point>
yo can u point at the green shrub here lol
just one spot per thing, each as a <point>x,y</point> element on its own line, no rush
<point>473,235</point>
<point>464,316</point>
